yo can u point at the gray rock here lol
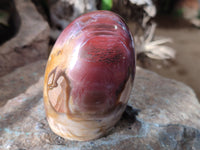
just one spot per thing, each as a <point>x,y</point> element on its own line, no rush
<point>65,11</point>
<point>164,101</point>
<point>20,79</point>
<point>31,41</point>
<point>23,124</point>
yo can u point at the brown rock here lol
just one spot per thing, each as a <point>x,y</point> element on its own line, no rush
<point>23,124</point>
<point>31,41</point>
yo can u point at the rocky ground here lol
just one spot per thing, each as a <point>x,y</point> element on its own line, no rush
<point>169,118</point>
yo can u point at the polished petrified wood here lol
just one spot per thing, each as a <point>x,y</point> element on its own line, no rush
<point>89,76</point>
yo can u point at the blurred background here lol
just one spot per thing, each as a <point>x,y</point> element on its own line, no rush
<point>166,34</point>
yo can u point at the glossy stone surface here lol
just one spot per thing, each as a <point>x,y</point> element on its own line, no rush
<point>89,76</point>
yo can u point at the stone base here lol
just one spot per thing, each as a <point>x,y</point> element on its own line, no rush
<point>169,119</point>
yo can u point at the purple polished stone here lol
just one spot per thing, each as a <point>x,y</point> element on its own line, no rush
<point>91,68</point>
